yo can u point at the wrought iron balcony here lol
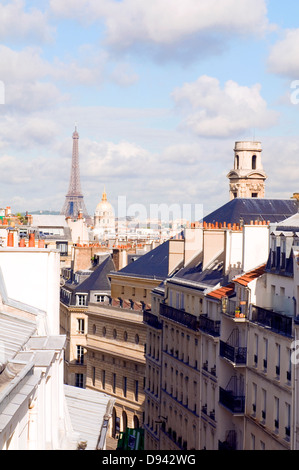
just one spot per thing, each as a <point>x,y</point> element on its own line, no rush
<point>179,316</point>
<point>209,326</point>
<point>230,442</point>
<point>237,355</point>
<point>235,403</point>
<point>151,320</point>
<point>277,322</point>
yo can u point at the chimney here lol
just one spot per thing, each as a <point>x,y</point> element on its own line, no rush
<point>31,240</point>
<point>22,243</point>
<point>10,239</point>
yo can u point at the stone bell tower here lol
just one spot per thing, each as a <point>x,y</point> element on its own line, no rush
<point>247,179</point>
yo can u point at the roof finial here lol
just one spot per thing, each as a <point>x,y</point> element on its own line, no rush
<point>104,197</point>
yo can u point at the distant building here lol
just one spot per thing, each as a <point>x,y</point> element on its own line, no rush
<point>74,200</point>
<point>78,289</point>
<point>104,219</point>
<point>247,179</point>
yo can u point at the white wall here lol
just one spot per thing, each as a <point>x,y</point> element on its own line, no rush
<point>32,276</point>
<point>255,246</point>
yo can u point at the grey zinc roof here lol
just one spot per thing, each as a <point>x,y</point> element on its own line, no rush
<point>153,264</point>
<point>44,220</point>
<point>249,209</point>
<point>210,276</point>
<point>14,334</point>
<point>87,410</point>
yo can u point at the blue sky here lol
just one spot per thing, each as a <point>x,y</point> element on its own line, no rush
<point>160,90</point>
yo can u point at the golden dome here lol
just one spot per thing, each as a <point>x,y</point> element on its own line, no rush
<point>104,207</point>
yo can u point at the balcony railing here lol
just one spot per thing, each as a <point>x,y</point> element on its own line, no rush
<point>237,355</point>
<point>235,403</point>
<point>151,320</point>
<point>277,322</point>
<point>236,309</point>
<point>179,316</point>
<point>209,326</point>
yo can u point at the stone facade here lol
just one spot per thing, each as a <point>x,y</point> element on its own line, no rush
<point>247,178</point>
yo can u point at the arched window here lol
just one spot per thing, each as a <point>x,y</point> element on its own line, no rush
<point>136,422</point>
<point>253,166</point>
<point>124,421</point>
<point>237,162</point>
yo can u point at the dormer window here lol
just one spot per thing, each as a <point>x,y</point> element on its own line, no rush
<point>81,299</point>
<point>273,252</point>
<point>283,254</point>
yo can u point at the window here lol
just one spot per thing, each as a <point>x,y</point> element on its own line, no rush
<point>288,421</point>
<point>265,363</point>
<point>80,326</point>
<point>93,375</point>
<point>264,404</point>
<point>237,162</point>
<point>254,195</point>
<point>276,413</point>
<point>100,298</point>
<point>277,360</point>
<point>62,247</point>
<point>283,254</point>
<point>256,344</point>
<point>136,339</point>
<point>254,394</point>
<point>113,383</point>
<point>79,380</point>
<point>103,379</point>
<point>125,386</point>
<point>136,390</point>
<point>81,299</point>
<point>80,355</point>
<point>114,333</point>
<point>253,166</point>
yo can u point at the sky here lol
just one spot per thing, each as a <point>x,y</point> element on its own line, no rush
<point>160,91</point>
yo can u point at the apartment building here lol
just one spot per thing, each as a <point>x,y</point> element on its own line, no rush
<point>115,361</point>
<point>77,290</point>
<point>183,339</point>
<point>116,337</point>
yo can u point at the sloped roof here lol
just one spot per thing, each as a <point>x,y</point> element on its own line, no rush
<point>99,279</point>
<point>210,276</point>
<point>250,276</point>
<point>153,264</point>
<point>291,224</point>
<point>88,409</point>
<point>274,210</point>
<point>224,291</point>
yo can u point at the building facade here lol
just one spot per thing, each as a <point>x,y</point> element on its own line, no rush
<point>247,178</point>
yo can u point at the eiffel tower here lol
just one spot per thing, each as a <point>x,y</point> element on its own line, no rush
<point>74,203</point>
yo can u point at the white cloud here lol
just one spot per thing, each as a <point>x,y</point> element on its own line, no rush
<point>283,58</point>
<point>17,25</point>
<point>130,22</point>
<point>214,111</point>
